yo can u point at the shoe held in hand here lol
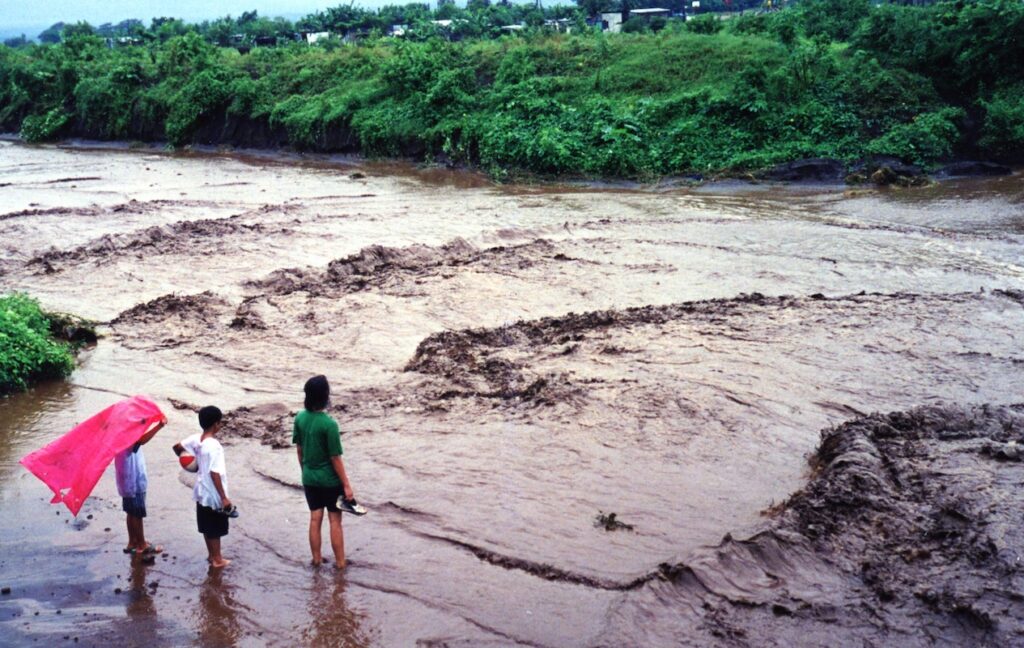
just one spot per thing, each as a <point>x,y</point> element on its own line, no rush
<point>351,506</point>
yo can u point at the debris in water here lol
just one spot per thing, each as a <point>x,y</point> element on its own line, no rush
<point>610,522</point>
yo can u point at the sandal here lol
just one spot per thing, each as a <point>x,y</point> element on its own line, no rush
<point>150,550</point>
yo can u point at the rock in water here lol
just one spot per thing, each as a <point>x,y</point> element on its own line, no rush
<point>807,170</point>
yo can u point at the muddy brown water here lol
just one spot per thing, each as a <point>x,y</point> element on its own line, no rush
<point>507,362</point>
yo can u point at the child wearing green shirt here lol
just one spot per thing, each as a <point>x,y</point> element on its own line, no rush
<point>318,444</point>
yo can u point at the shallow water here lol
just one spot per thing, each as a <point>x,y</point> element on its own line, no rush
<point>485,463</point>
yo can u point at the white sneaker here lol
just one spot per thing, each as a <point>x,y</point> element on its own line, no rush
<point>351,506</point>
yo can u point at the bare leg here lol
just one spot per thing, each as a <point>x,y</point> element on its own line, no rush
<point>337,539</point>
<point>132,540</point>
<point>316,519</point>
<point>135,524</point>
<point>213,548</point>
<point>140,534</point>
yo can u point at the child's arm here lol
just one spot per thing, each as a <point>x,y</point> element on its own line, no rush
<point>219,485</point>
<point>298,449</point>
<point>152,433</point>
<point>339,468</point>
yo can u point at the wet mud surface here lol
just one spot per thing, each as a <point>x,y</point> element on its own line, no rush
<point>510,365</point>
<point>909,533</point>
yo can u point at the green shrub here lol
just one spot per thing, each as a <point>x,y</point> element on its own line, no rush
<point>705,24</point>
<point>832,19</point>
<point>927,139</point>
<point>45,127</point>
<point>27,351</point>
<point>1003,131</point>
<point>202,95</point>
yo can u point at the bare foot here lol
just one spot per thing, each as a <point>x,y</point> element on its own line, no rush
<point>220,564</point>
<point>340,565</point>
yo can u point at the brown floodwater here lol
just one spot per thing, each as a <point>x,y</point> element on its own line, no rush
<point>507,363</point>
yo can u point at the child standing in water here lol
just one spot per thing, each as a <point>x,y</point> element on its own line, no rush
<point>318,444</point>
<point>132,482</point>
<point>213,506</point>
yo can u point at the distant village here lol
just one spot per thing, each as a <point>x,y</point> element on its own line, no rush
<point>346,24</point>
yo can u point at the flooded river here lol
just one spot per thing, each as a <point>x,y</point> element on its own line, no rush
<point>507,363</point>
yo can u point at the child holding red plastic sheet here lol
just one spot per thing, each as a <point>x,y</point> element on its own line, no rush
<point>132,481</point>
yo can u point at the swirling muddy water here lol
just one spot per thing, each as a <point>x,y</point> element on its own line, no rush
<point>508,362</point>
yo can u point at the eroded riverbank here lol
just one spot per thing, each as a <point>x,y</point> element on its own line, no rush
<point>508,363</point>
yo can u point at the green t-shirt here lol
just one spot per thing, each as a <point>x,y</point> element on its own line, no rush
<point>318,435</point>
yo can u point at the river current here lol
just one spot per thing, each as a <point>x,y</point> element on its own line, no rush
<point>508,363</point>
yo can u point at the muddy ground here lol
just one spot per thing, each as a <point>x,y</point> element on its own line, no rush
<point>908,533</point>
<point>511,363</point>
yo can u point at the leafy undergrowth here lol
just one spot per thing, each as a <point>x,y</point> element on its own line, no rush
<point>826,78</point>
<point>30,348</point>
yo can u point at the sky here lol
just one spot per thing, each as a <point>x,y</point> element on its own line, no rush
<point>32,16</point>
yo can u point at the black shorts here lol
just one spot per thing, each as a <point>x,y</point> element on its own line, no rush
<point>211,523</point>
<point>135,505</point>
<point>319,497</point>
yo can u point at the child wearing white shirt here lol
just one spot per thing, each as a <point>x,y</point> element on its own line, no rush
<point>213,505</point>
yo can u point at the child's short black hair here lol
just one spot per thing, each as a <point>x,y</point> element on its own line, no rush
<point>318,392</point>
<point>209,416</point>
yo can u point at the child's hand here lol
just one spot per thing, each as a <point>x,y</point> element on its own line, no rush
<point>225,503</point>
<point>349,495</point>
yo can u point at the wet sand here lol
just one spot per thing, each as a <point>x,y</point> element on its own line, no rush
<point>508,362</point>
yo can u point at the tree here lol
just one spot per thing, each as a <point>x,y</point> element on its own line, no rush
<point>167,28</point>
<point>17,41</point>
<point>836,19</point>
<point>220,31</point>
<point>52,33</point>
<point>594,7</point>
<point>78,29</point>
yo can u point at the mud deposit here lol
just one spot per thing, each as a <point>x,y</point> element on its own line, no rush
<point>909,533</point>
<point>555,401</point>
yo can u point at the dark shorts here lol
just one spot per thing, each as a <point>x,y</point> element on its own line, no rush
<point>211,523</point>
<point>319,497</point>
<point>135,505</point>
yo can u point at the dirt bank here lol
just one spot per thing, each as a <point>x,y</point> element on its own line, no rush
<point>908,534</point>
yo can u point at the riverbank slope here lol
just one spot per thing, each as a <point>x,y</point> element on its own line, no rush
<point>708,98</point>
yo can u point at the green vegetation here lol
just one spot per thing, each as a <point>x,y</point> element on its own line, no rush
<point>28,350</point>
<point>825,78</point>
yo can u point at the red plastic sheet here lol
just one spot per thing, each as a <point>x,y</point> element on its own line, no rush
<point>73,464</point>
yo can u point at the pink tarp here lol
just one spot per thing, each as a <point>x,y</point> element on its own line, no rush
<point>73,464</point>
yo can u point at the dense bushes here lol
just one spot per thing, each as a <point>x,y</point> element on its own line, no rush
<point>833,78</point>
<point>28,353</point>
<point>1003,132</point>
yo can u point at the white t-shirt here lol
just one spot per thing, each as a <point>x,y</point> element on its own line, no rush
<point>210,455</point>
<point>191,443</point>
